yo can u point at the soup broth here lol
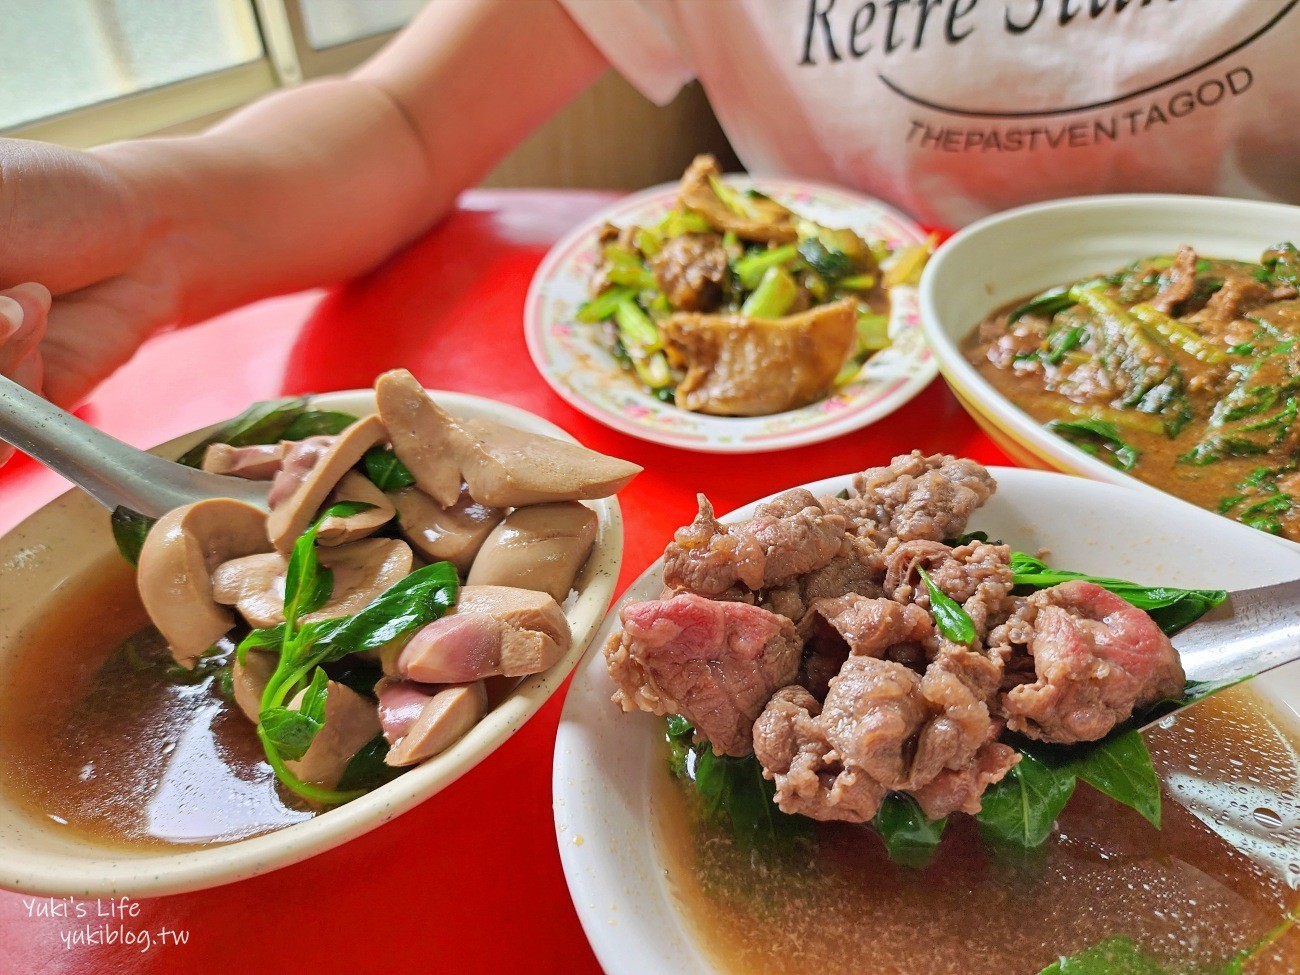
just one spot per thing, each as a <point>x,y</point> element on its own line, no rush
<point>102,736</point>
<point>1216,879</point>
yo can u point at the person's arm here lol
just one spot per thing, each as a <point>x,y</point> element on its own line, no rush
<point>309,186</point>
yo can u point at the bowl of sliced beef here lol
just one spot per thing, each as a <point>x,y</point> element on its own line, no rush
<point>874,689</point>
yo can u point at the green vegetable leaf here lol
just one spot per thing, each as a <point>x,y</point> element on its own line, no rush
<point>830,264</point>
<point>1117,955</point>
<point>1171,608</point>
<point>952,621</point>
<point>1101,438</point>
<point>420,598</point>
<point>910,839</point>
<point>317,423</point>
<point>313,698</point>
<point>260,639</point>
<point>385,471</point>
<point>263,422</point>
<point>290,731</point>
<point>130,529</point>
<point>1046,305</point>
<point>734,788</point>
<point>366,770</point>
<point>308,584</point>
<point>679,734</point>
<point>1021,809</point>
<point>1120,767</point>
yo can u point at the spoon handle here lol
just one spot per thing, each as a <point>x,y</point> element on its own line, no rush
<point>113,473</point>
<point>1254,630</point>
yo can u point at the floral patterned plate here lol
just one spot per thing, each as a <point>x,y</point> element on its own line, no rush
<point>573,359</point>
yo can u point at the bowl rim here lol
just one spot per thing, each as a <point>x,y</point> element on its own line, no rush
<point>142,872</point>
<point>979,397</point>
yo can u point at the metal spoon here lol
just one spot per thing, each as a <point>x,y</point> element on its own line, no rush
<point>113,473</point>
<point>1251,631</point>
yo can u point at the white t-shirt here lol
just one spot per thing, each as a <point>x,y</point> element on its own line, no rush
<point>952,109</point>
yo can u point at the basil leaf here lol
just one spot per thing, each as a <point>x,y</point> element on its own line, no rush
<point>313,699</point>
<point>366,769</point>
<point>735,791</point>
<point>317,423</point>
<point>910,839</point>
<point>257,639</point>
<point>679,734</point>
<point>420,598</point>
<point>953,621</point>
<point>291,732</point>
<point>1021,809</point>
<point>1120,767</point>
<point>130,529</point>
<point>307,584</point>
<point>1117,955</point>
<point>385,471</point>
<point>263,422</point>
<point>1171,608</point>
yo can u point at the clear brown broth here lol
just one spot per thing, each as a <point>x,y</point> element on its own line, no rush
<point>1191,893</point>
<point>97,739</point>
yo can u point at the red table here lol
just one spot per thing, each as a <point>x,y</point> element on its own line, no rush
<point>470,881</point>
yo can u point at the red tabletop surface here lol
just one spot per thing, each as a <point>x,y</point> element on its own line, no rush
<point>470,881</point>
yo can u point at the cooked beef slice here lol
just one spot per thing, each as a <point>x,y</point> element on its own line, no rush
<point>714,663</point>
<point>858,567</point>
<point>691,270</point>
<point>834,628</point>
<point>1238,295</point>
<point>790,743</point>
<point>1179,283</point>
<point>977,575</point>
<point>1096,659</point>
<point>885,727</point>
<point>915,497</point>
<point>789,536</point>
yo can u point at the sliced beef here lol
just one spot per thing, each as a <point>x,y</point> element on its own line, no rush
<point>977,575</point>
<point>959,790</point>
<point>1238,295</point>
<point>790,743</point>
<point>787,537</point>
<point>915,497</point>
<point>715,663</point>
<point>834,628</point>
<point>885,727</point>
<point>1179,283</point>
<point>691,270</point>
<point>858,567</point>
<point>1096,659</point>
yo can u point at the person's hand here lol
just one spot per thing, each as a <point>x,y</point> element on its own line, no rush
<point>23,312</point>
<point>70,221</point>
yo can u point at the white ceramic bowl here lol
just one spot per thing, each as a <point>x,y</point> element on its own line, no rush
<point>67,540</point>
<point>1026,250</point>
<point>607,762</point>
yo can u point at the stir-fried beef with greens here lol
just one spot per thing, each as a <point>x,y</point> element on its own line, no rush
<point>408,558</point>
<point>1182,370</point>
<point>732,304</point>
<point>858,658</point>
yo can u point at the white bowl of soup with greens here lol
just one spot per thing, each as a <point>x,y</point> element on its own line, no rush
<point>225,690</point>
<point>912,720</point>
<point>1141,339</point>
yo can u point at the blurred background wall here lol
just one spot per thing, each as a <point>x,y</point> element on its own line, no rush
<point>85,72</point>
